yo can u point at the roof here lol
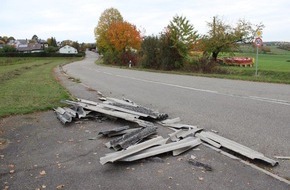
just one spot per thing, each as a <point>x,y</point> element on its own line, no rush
<point>30,47</point>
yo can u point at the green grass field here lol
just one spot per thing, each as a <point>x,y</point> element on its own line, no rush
<point>28,84</point>
<point>272,67</point>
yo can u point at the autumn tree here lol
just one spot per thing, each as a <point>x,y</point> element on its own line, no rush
<point>125,39</point>
<point>223,37</point>
<point>108,17</point>
<point>124,36</point>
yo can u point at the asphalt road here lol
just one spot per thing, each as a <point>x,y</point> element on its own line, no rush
<point>41,153</point>
<point>251,113</point>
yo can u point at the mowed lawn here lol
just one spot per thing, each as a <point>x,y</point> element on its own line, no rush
<point>279,63</point>
<point>28,84</point>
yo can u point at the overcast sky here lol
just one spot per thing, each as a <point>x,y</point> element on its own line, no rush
<point>76,19</point>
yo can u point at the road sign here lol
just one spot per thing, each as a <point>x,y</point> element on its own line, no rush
<point>259,33</point>
<point>258,42</point>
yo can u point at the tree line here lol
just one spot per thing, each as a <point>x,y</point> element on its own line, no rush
<point>179,46</point>
<point>52,44</point>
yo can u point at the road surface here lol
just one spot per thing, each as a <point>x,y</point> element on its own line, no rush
<point>254,114</point>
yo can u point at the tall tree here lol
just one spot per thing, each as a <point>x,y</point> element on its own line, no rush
<point>4,39</point>
<point>170,58</point>
<point>108,17</point>
<point>223,37</point>
<point>52,42</point>
<point>150,52</point>
<point>182,34</point>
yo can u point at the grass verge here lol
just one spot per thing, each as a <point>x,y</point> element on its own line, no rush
<point>28,85</point>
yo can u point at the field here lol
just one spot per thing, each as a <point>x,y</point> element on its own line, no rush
<point>27,84</point>
<point>272,67</point>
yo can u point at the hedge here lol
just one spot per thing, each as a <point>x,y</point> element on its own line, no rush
<point>40,54</point>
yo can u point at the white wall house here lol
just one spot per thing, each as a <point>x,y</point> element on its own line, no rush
<point>68,50</point>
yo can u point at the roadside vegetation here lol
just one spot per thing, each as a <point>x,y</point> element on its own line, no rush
<point>179,48</point>
<point>28,84</point>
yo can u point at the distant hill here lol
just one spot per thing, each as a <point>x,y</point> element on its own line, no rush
<point>276,43</point>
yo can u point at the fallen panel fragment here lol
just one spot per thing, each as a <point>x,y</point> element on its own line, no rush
<point>63,115</point>
<point>118,114</point>
<point>189,141</point>
<point>180,134</point>
<point>113,131</point>
<point>207,140</point>
<point>186,133</point>
<point>238,148</point>
<point>132,149</point>
<point>132,138</point>
<point>182,150</point>
<point>283,157</point>
<point>170,121</point>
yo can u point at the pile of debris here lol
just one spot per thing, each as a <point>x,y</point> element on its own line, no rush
<point>110,107</point>
<point>141,142</point>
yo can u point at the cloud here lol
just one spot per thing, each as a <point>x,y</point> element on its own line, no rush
<point>76,19</point>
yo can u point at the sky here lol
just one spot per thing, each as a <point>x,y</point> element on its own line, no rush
<point>76,19</point>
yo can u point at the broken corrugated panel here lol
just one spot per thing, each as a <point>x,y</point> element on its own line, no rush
<point>238,148</point>
<point>132,138</point>
<point>63,115</point>
<point>80,112</point>
<point>116,108</point>
<point>70,111</point>
<point>189,132</point>
<point>113,131</point>
<point>122,132</point>
<point>88,102</point>
<point>173,137</point>
<point>170,121</point>
<point>207,140</point>
<point>189,141</point>
<point>143,110</point>
<point>180,134</point>
<point>112,107</point>
<point>115,141</point>
<point>114,100</point>
<point>132,149</point>
<point>118,114</point>
<point>179,126</point>
<point>182,150</point>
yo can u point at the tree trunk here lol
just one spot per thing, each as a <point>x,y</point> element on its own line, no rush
<point>214,56</point>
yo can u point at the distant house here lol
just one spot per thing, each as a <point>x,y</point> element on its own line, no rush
<point>30,48</point>
<point>68,50</point>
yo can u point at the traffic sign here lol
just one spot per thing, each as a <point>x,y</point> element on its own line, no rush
<point>259,33</point>
<point>258,42</point>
